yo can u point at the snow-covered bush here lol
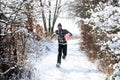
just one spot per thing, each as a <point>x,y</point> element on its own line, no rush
<point>14,35</point>
<point>107,19</point>
<point>92,41</point>
<point>101,42</point>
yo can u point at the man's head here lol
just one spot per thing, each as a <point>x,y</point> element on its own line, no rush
<point>59,26</point>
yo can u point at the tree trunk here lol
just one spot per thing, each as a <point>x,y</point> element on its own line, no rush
<point>56,14</point>
<point>49,17</point>
<point>44,20</point>
<point>51,23</point>
<point>43,16</point>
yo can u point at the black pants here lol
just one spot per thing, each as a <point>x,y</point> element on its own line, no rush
<point>61,49</point>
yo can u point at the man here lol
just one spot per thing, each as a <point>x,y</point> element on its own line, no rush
<point>62,43</point>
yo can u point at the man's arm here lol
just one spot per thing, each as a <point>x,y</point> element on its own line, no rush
<point>56,32</point>
<point>67,35</point>
<point>68,32</point>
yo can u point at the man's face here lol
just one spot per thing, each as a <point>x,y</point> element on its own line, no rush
<point>59,27</point>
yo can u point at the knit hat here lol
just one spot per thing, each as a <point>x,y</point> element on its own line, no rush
<point>59,24</point>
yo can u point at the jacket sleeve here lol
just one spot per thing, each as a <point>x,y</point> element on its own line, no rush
<point>68,32</point>
<point>56,32</point>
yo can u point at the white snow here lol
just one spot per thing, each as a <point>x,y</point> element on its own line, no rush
<point>75,67</point>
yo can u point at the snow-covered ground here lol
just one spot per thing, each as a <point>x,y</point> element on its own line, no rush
<point>75,67</point>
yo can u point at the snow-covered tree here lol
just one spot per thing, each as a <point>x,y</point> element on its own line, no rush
<point>50,11</point>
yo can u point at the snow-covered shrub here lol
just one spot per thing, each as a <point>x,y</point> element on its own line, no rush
<point>116,74</point>
<point>35,50</point>
<point>107,20</point>
<point>104,19</point>
<point>93,40</point>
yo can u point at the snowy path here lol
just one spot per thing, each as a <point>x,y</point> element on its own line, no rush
<point>75,67</point>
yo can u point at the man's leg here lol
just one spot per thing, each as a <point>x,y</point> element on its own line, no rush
<point>59,54</point>
<point>64,51</point>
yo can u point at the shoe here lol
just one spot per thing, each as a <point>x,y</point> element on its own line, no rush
<point>63,57</point>
<point>58,65</point>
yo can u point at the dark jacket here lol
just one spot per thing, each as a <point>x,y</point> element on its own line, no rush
<point>61,36</point>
